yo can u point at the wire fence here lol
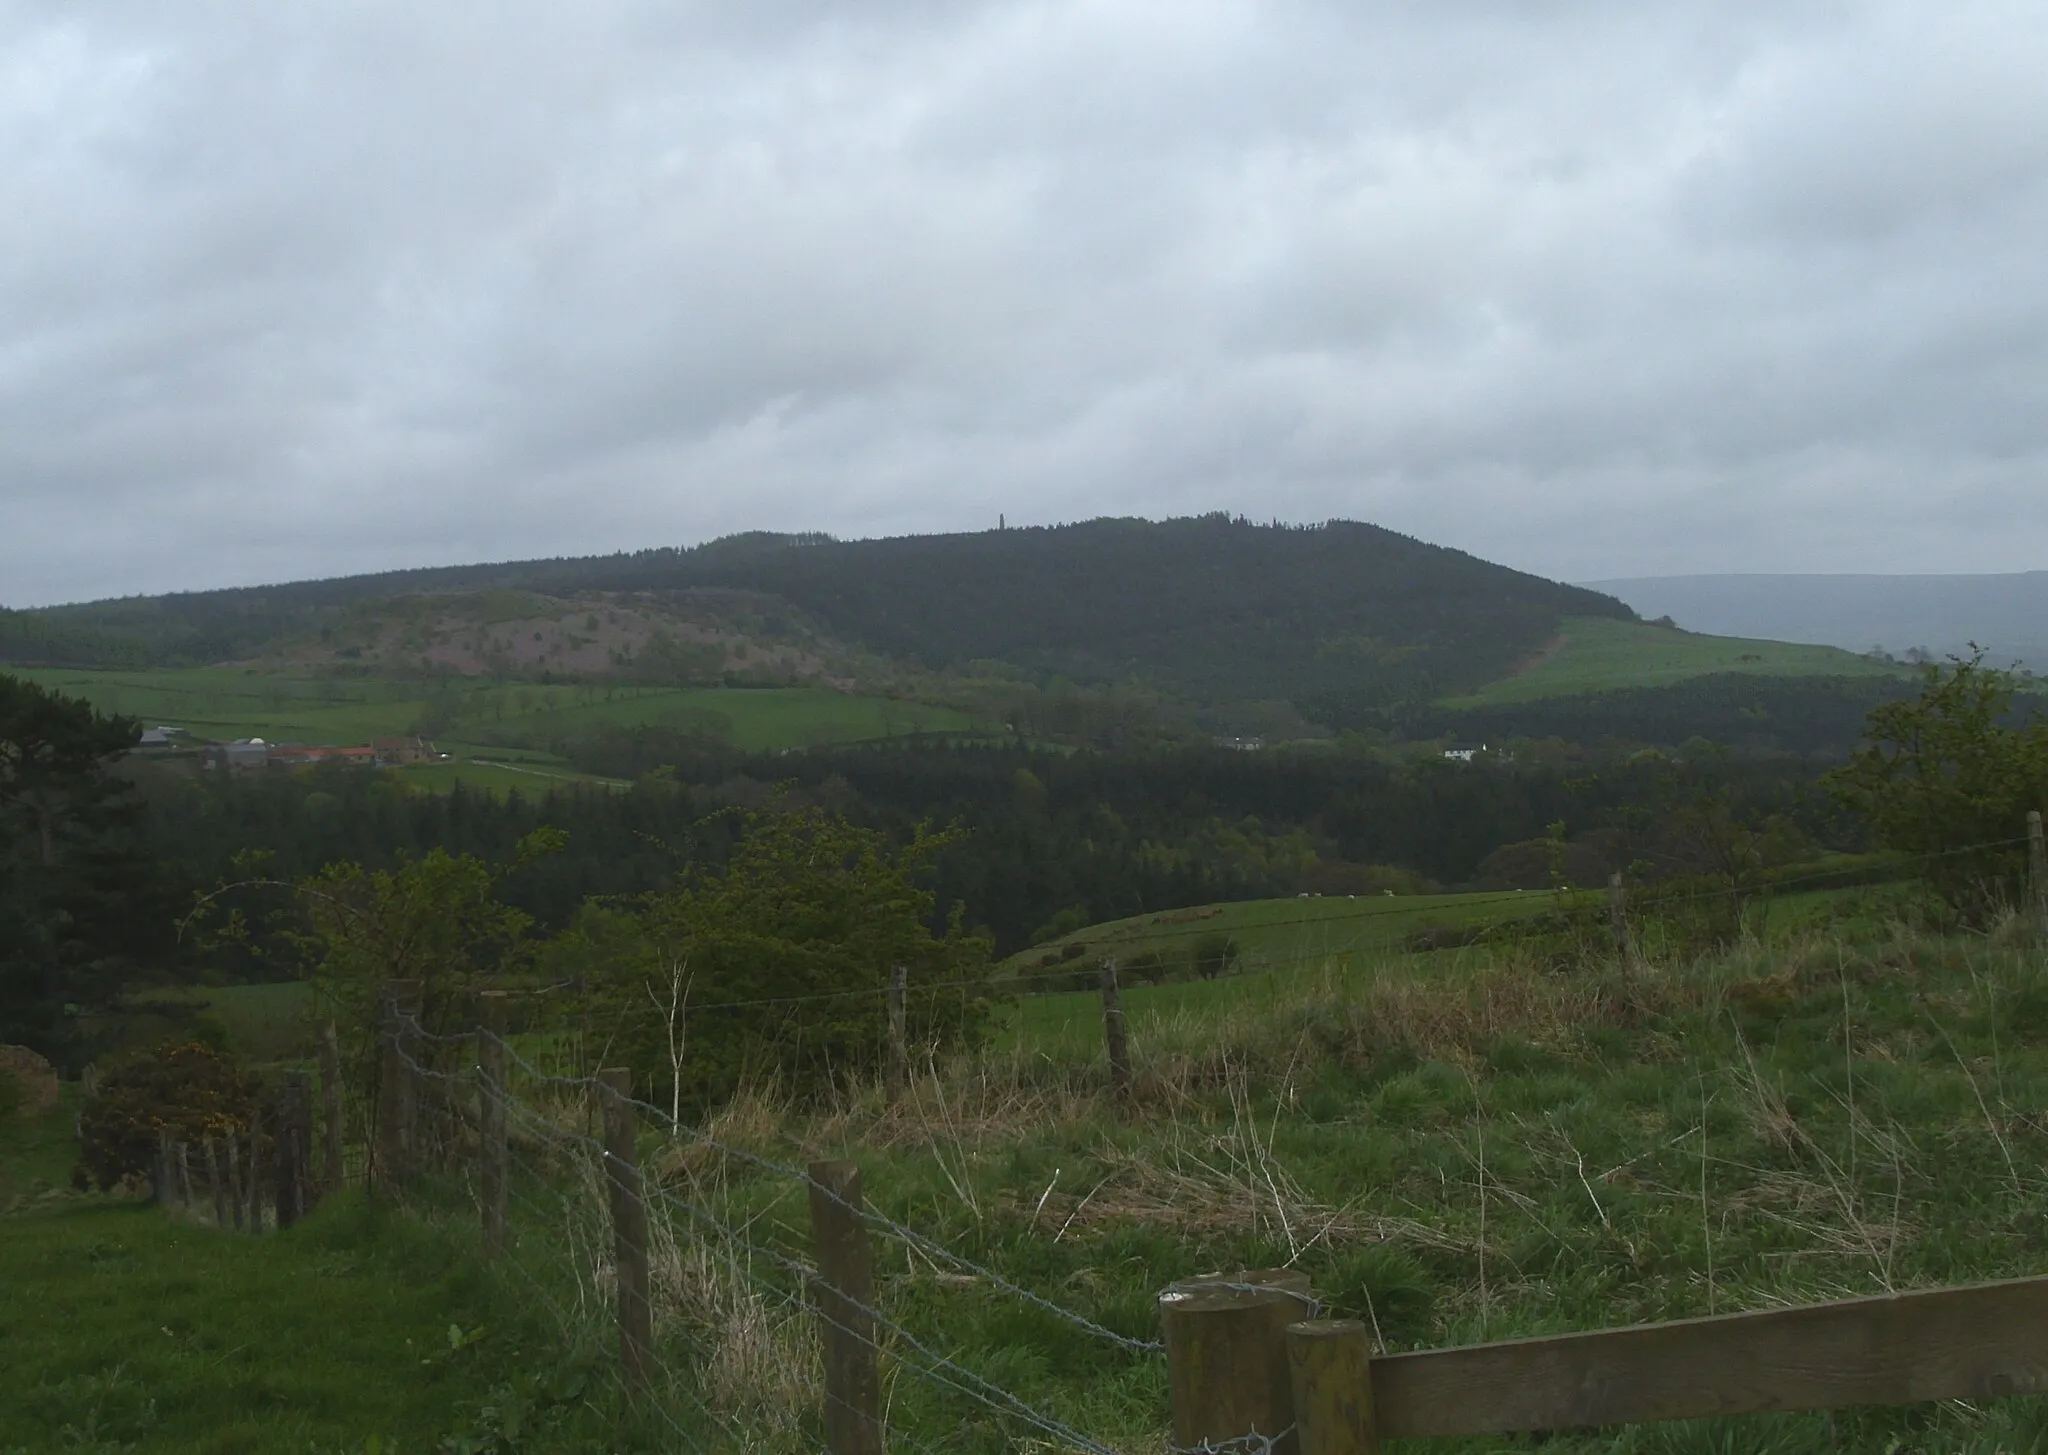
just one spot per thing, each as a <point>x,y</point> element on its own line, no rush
<point>744,1315</point>
<point>738,1319</point>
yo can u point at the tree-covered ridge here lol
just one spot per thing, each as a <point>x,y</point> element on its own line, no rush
<point>1335,618</point>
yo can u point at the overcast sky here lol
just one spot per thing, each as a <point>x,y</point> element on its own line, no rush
<point>1592,287</point>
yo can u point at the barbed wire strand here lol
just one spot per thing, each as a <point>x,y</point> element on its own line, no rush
<point>881,1222</point>
<point>674,1385</point>
<point>936,1367</point>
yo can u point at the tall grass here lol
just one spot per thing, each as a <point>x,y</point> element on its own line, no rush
<point>1486,1147</point>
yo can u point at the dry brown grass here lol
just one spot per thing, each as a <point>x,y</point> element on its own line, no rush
<point>958,1103</point>
<point>1206,1179</point>
<point>757,1362</point>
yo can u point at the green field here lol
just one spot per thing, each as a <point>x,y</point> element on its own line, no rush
<point>514,725</point>
<point>753,719</point>
<point>1278,933</point>
<point>1464,1149</point>
<point>1598,655</point>
<point>1456,1148</point>
<point>223,703</point>
<point>264,1023</point>
<point>126,1328</point>
<point>1327,939</point>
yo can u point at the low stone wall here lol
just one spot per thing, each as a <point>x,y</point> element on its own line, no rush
<point>36,1078</point>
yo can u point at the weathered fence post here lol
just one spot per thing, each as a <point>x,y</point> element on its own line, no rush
<point>493,1153</point>
<point>333,1174</point>
<point>1330,1364</point>
<point>254,1186</point>
<point>184,1179</point>
<point>160,1178</point>
<point>294,1143</point>
<point>235,1200</point>
<point>1113,1028</point>
<point>845,1292</point>
<point>216,1186</point>
<point>391,1155</point>
<point>1617,914</point>
<point>629,1226</point>
<point>2037,871</point>
<point>899,1048</point>
<point>1227,1360</point>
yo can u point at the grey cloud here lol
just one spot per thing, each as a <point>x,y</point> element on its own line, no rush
<point>1598,289</point>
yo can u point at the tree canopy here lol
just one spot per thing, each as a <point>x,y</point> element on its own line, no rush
<point>69,885</point>
<point>1950,776</point>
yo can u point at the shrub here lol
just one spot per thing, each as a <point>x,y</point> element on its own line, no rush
<point>1215,955</point>
<point>184,1090</point>
<point>1148,968</point>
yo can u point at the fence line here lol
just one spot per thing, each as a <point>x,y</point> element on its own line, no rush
<point>1250,1364</point>
<point>848,1317</point>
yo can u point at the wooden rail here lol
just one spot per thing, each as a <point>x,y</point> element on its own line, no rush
<point>1947,1343</point>
<point>1982,1342</point>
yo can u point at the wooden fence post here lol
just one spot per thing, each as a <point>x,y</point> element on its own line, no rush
<point>1330,1365</point>
<point>160,1179</point>
<point>629,1226</point>
<point>1113,1028</point>
<point>2037,871</point>
<point>216,1186</point>
<point>184,1178</point>
<point>1227,1360</point>
<point>899,1048</point>
<point>332,1174</point>
<point>1617,914</point>
<point>294,1143</point>
<point>845,1292</point>
<point>254,1185</point>
<point>235,1200</point>
<point>391,1156</point>
<point>493,1153</point>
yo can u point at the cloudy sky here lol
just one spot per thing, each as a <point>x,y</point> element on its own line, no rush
<point>1593,287</point>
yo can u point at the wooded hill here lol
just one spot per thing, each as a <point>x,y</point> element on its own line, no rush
<point>1337,619</point>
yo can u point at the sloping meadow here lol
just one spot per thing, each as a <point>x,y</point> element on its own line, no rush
<point>1454,1148</point>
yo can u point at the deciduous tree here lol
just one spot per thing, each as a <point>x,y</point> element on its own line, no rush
<point>1948,776</point>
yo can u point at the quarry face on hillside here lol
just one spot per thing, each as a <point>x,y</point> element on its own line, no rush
<point>697,635</point>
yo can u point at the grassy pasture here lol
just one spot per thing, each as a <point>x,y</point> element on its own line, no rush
<point>1468,1145</point>
<point>123,1328</point>
<point>1477,1147</point>
<point>236,702</point>
<point>1276,933</point>
<point>514,724</point>
<point>1597,655</point>
<point>530,778</point>
<point>1284,940</point>
<point>262,1023</point>
<point>756,719</point>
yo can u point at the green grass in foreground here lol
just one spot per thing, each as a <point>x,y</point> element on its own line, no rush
<point>124,1328</point>
<point>1460,1147</point>
<point>1474,1148</point>
<point>1597,655</point>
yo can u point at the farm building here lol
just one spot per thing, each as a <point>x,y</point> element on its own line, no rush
<point>302,755</point>
<point>242,756</point>
<point>396,752</point>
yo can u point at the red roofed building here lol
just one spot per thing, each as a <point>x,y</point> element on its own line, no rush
<point>300,755</point>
